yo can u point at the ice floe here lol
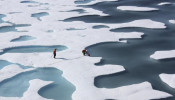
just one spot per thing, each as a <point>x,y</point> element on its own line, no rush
<point>78,69</point>
<point>144,23</point>
<point>135,8</point>
<point>163,54</point>
<point>168,79</point>
<point>164,3</point>
<point>172,21</point>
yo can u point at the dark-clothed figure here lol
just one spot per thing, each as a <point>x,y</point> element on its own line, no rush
<point>85,52</point>
<point>54,53</point>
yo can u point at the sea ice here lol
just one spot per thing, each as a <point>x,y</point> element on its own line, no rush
<point>168,79</point>
<point>5,24</point>
<point>172,21</point>
<point>135,8</point>
<point>127,35</point>
<point>78,69</point>
<point>145,23</point>
<point>32,92</point>
<point>163,54</point>
<point>164,3</point>
<point>142,91</point>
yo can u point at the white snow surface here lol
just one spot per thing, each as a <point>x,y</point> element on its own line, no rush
<point>168,79</point>
<point>135,8</point>
<point>79,70</point>
<point>163,54</point>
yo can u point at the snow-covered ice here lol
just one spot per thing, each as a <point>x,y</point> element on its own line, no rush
<point>127,35</point>
<point>164,3</point>
<point>135,8</point>
<point>142,91</point>
<point>172,21</point>
<point>163,54</point>
<point>168,79</point>
<point>144,23</point>
<point>77,69</point>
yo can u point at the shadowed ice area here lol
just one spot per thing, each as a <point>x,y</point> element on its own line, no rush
<point>23,38</point>
<point>50,31</point>
<point>60,89</point>
<point>33,49</point>
<point>39,15</point>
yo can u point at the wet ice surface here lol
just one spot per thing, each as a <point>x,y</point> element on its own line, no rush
<point>18,84</point>
<point>23,38</point>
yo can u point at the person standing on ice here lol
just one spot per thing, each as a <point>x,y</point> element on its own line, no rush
<point>85,52</point>
<point>54,53</point>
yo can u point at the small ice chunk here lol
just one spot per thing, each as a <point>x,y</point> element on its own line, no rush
<point>163,54</point>
<point>172,21</point>
<point>164,3</point>
<point>135,8</point>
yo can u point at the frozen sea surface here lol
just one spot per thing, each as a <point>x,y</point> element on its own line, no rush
<point>90,20</point>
